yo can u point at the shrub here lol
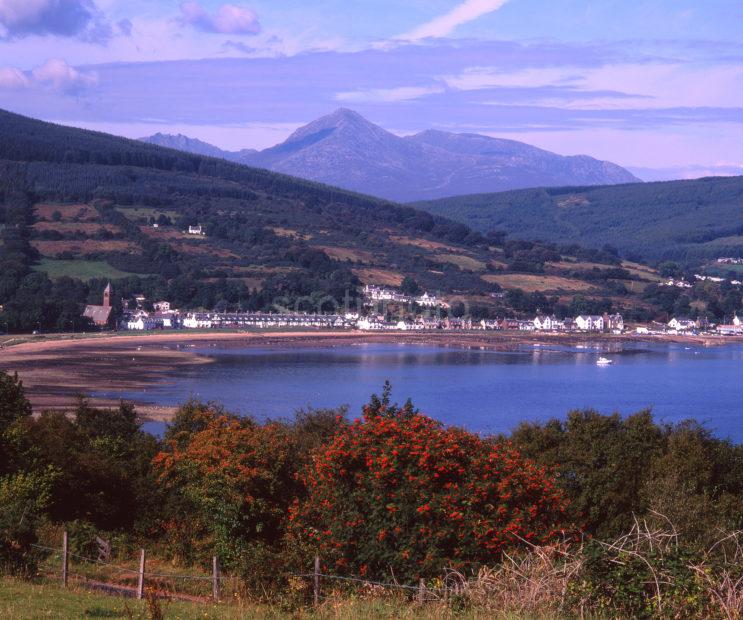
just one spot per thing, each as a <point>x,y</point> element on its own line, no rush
<point>236,479</point>
<point>397,492</point>
<point>13,402</point>
<point>23,498</point>
<point>646,573</point>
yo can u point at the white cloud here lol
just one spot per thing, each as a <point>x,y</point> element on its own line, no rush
<point>618,86</point>
<point>13,78</point>
<point>57,73</point>
<point>54,73</point>
<point>229,19</point>
<point>441,26</point>
<point>388,95</point>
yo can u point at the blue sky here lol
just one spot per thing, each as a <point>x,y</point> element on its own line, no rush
<point>648,84</point>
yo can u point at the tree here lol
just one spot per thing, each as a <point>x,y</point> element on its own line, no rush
<point>669,269</point>
<point>104,465</point>
<point>601,461</point>
<point>409,286</point>
<point>397,492</point>
<point>13,402</point>
<point>23,498</point>
<point>237,478</point>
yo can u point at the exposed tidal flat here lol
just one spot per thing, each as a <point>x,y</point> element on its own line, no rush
<point>487,383</point>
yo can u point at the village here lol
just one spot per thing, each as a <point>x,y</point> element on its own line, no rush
<point>424,312</point>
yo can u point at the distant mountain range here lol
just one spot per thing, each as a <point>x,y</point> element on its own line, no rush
<point>346,150</point>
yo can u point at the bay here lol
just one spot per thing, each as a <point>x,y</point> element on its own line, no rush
<point>483,390</point>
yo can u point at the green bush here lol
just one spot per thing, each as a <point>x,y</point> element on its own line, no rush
<point>23,499</point>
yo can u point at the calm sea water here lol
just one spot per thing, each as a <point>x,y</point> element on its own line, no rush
<point>486,391</point>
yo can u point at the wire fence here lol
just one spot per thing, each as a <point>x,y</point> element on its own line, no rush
<point>106,576</point>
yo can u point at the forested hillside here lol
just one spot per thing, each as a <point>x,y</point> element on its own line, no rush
<point>678,220</point>
<point>79,208</point>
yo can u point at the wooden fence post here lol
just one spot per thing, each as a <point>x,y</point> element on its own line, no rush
<point>317,580</point>
<point>421,591</point>
<point>215,579</point>
<point>64,558</point>
<point>140,582</point>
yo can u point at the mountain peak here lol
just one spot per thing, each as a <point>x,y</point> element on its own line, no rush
<point>183,143</point>
<point>343,148</point>
<point>341,127</point>
<point>341,118</point>
<point>346,114</point>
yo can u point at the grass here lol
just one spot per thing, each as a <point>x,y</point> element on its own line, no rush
<point>291,232</point>
<point>343,254</point>
<point>68,212</point>
<point>641,271</point>
<point>426,244</point>
<point>466,263</point>
<point>83,247</point>
<point>71,228</point>
<point>136,213</point>
<point>82,269</point>
<point>20,600</point>
<point>721,268</point>
<point>383,277</point>
<point>532,283</point>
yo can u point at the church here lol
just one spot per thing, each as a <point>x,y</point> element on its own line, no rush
<point>102,316</point>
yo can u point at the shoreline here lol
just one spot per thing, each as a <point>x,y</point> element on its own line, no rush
<point>55,372</point>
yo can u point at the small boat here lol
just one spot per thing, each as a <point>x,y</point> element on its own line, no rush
<point>604,361</point>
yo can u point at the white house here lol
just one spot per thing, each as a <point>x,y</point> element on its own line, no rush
<point>730,330</point>
<point>681,324</point>
<point>141,323</point>
<point>195,230</point>
<point>589,323</point>
<point>548,323</point>
<point>427,301</point>
<point>677,283</point>
<point>408,326</point>
<point>197,321</point>
<point>370,324</point>
<point>166,319</point>
<point>162,306</point>
<point>378,293</point>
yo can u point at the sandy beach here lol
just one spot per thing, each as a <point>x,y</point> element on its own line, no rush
<point>55,372</point>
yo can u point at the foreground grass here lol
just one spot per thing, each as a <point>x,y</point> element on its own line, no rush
<point>20,600</point>
<point>25,601</point>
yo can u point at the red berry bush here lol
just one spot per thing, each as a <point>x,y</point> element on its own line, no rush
<point>398,494</point>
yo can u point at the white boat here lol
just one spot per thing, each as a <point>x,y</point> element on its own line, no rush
<point>604,361</point>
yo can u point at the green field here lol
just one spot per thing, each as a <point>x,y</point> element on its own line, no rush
<point>82,269</point>
<point>20,600</point>
<point>135,213</point>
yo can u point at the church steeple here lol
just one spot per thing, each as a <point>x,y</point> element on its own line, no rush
<point>107,295</point>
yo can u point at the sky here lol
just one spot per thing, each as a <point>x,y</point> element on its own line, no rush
<point>654,85</point>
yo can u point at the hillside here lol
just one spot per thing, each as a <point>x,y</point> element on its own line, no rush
<point>680,220</point>
<point>78,208</point>
<point>346,150</point>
